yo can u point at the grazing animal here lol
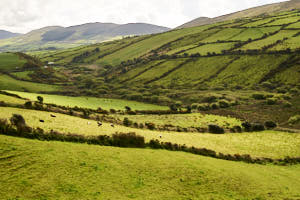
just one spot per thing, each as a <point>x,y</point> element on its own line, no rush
<point>88,123</point>
<point>99,123</point>
<point>112,125</point>
<point>160,136</point>
<point>42,121</point>
<point>52,115</point>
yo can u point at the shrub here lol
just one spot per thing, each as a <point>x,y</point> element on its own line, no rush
<point>294,119</point>
<point>128,140</point>
<point>214,106</point>
<point>210,99</point>
<point>259,96</point>
<point>270,124</point>
<point>17,120</point>
<point>247,126</point>
<point>112,111</point>
<point>212,128</point>
<point>271,101</point>
<point>238,129</point>
<point>258,127</point>
<point>203,107</point>
<point>28,104</point>
<point>40,99</point>
<point>224,104</point>
<point>150,126</point>
<point>287,104</point>
<point>127,122</point>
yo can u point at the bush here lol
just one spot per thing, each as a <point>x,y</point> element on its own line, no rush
<point>150,126</point>
<point>294,119</point>
<point>214,106</point>
<point>247,126</point>
<point>258,127</point>
<point>258,96</point>
<point>270,124</point>
<point>17,120</point>
<point>128,140</point>
<point>127,122</point>
<point>28,104</point>
<point>271,101</point>
<point>237,129</point>
<point>40,99</point>
<point>212,128</point>
<point>203,107</point>
<point>224,104</point>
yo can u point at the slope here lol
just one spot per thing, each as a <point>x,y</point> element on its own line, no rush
<point>54,170</point>
<point>252,12</point>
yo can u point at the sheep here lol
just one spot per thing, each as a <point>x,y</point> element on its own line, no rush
<point>88,123</point>
<point>52,115</point>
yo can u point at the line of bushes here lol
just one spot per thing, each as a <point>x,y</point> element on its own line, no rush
<point>18,128</point>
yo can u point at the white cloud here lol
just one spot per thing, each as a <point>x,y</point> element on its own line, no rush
<point>25,15</point>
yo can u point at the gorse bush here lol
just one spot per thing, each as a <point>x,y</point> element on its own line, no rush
<point>212,128</point>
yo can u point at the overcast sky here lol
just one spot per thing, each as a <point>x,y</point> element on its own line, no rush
<point>25,15</point>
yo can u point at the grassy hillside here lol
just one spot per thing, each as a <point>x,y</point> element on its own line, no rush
<point>270,144</point>
<point>7,82</point>
<point>78,171</point>
<point>10,61</point>
<point>231,43</point>
<point>55,37</point>
<point>269,9</point>
<point>90,102</point>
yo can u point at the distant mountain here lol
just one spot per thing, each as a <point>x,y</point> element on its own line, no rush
<point>63,37</point>
<point>266,9</point>
<point>6,34</point>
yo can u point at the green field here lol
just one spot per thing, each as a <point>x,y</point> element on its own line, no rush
<point>23,75</point>
<point>54,170</point>
<point>10,61</point>
<point>210,48</point>
<point>185,120</point>
<point>8,83</point>
<point>261,144</point>
<point>90,102</point>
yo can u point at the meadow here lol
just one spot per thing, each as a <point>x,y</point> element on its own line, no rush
<point>10,61</point>
<point>7,82</point>
<point>90,102</point>
<point>33,169</point>
<point>271,144</point>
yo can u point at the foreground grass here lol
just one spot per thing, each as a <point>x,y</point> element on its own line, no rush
<point>53,170</point>
<point>270,144</point>
<point>90,102</point>
<point>6,82</point>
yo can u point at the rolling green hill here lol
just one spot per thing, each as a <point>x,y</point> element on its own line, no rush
<point>56,37</point>
<point>54,170</point>
<point>252,12</point>
<point>221,54</point>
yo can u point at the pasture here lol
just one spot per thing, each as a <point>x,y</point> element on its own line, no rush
<point>271,144</point>
<point>7,82</point>
<point>10,61</point>
<point>33,169</point>
<point>90,102</point>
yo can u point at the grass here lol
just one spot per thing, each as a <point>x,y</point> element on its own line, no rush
<point>8,83</point>
<point>292,43</point>
<point>10,61</point>
<point>262,144</point>
<point>254,33</point>
<point>23,75</point>
<point>54,170</point>
<point>195,71</point>
<point>270,40</point>
<point>284,21</point>
<point>185,120</point>
<point>246,71</point>
<point>210,48</point>
<point>223,35</point>
<point>13,100</point>
<point>90,102</point>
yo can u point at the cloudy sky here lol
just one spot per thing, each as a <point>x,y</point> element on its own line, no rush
<point>25,15</point>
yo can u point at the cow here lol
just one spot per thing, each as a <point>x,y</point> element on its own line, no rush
<point>42,121</point>
<point>112,125</point>
<point>52,115</point>
<point>99,123</point>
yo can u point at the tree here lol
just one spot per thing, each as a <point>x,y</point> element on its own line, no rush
<point>17,120</point>
<point>40,99</point>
